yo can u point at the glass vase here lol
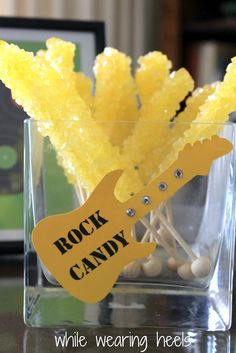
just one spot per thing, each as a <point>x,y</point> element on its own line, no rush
<point>202,212</point>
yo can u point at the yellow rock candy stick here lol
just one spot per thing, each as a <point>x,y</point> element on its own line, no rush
<point>150,76</point>
<point>80,144</point>
<point>84,89</point>
<point>60,55</point>
<point>115,98</point>
<point>213,113</point>
<point>171,132</point>
<point>217,107</point>
<point>87,132</point>
<point>83,149</point>
<point>155,115</point>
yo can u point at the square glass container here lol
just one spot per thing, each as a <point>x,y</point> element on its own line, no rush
<point>202,213</point>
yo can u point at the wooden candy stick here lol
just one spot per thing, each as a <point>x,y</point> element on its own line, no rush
<point>156,236</point>
<point>162,230</point>
<point>169,211</point>
<point>152,215</point>
<point>177,236</point>
<point>173,262</point>
<point>149,231</point>
<point>154,221</point>
<point>175,259</point>
<point>169,214</point>
<point>146,236</point>
<point>152,267</point>
<point>134,235</point>
<point>199,267</point>
<point>168,225</point>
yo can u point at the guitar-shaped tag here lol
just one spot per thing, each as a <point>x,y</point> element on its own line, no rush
<point>86,249</point>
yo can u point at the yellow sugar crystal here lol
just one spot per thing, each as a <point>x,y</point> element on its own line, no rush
<point>61,56</point>
<point>41,56</point>
<point>155,163</point>
<point>164,104</point>
<point>215,110</point>
<point>115,98</point>
<point>128,184</point>
<point>155,116</point>
<point>150,76</point>
<point>79,142</point>
<point>213,113</point>
<point>83,149</point>
<point>84,89</point>
<point>193,103</point>
<point>97,161</point>
<point>217,107</point>
<point>84,159</point>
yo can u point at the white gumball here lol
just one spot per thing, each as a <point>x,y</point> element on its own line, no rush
<point>173,263</point>
<point>184,271</point>
<point>152,267</point>
<point>201,267</point>
<point>132,270</point>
